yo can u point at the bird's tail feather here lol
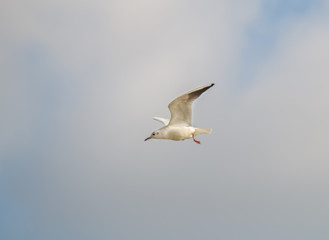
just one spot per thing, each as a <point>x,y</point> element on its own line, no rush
<point>203,131</point>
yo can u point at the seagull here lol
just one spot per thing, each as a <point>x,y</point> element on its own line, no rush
<point>179,127</point>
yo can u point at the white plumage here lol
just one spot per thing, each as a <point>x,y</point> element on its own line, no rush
<point>179,127</point>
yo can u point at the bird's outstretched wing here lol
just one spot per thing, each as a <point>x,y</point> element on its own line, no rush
<point>181,107</point>
<point>163,120</point>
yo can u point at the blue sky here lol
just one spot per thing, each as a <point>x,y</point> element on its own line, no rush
<point>81,81</point>
<point>263,33</point>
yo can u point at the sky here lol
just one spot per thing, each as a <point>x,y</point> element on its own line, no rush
<point>81,80</point>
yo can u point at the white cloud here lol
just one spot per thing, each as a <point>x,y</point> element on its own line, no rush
<point>288,109</point>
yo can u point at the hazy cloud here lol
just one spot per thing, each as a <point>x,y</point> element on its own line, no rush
<point>80,82</point>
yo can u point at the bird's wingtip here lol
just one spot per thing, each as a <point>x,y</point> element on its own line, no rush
<point>212,84</point>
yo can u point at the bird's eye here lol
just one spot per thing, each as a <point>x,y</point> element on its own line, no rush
<point>153,134</point>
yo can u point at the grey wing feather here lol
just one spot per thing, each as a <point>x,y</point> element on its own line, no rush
<point>181,107</point>
<point>162,120</point>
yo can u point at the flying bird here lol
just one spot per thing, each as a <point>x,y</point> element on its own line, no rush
<point>179,127</point>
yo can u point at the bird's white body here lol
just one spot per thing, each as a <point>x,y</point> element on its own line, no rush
<point>179,133</point>
<point>179,127</point>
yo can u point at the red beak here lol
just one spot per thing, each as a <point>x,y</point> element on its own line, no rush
<point>147,139</point>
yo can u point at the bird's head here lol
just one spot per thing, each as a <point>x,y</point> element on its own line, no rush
<point>156,135</point>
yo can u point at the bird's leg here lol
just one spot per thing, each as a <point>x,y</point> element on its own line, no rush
<point>198,142</point>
